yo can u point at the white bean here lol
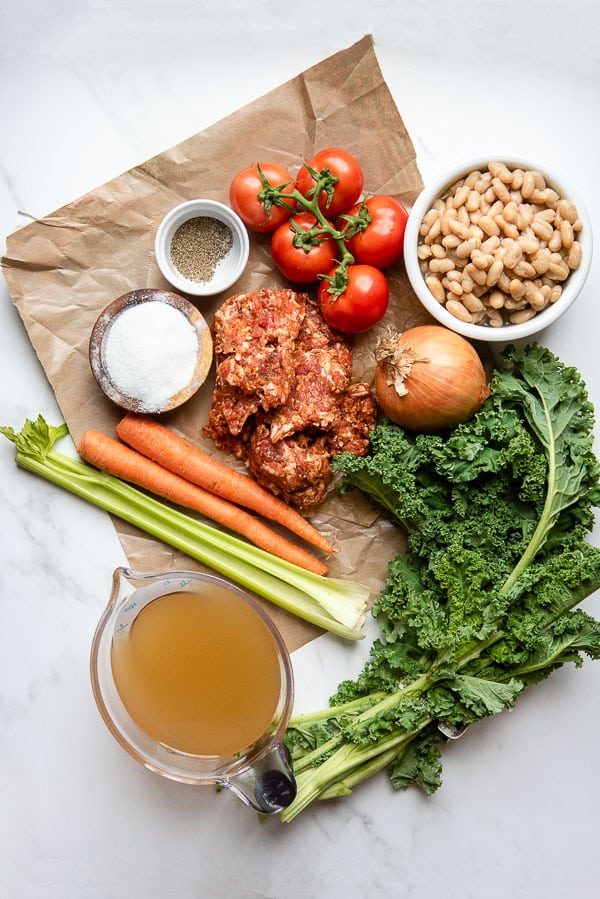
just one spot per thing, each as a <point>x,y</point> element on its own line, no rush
<point>499,239</point>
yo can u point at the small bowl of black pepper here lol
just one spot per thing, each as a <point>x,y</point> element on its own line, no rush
<point>201,247</point>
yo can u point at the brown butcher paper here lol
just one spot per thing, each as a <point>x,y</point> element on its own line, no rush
<point>62,270</point>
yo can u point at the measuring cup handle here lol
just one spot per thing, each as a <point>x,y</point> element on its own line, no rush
<point>269,786</point>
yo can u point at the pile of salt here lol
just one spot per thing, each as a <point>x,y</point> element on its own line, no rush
<point>150,352</point>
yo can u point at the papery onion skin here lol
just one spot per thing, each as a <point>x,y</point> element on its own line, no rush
<point>429,379</point>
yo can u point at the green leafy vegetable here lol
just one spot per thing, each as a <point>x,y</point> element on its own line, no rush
<point>484,601</point>
<point>336,605</point>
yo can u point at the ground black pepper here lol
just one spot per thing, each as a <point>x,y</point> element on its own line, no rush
<point>198,245</point>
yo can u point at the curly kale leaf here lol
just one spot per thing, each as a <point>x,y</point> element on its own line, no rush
<point>484,601</point>
<point>554,402</point>
<point>420,763</point>
<point>496,513</point>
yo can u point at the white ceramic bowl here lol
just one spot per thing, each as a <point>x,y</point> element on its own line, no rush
<point>227,270</point>
<point>571,287</point>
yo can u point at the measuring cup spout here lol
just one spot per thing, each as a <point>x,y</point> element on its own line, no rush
<point>269,785</point>
<point>126,580</point>
<point>122,583</point>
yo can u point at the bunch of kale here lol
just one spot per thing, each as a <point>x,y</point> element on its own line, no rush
<point>484,601</point>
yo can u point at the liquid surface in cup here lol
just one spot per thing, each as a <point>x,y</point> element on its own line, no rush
<point>198,672</point>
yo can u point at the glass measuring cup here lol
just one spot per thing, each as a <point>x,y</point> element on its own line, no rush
<point>259,773</point>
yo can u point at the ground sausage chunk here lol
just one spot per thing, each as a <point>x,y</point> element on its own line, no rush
<point>284,400</point>
<point>254,339</point>
<point>297,468</point>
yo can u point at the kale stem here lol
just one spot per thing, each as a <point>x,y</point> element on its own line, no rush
<point>383,703</point>
<point>345,786</point>
<point>545,519</point>
<point>335,711</point>
<point>348,759</point>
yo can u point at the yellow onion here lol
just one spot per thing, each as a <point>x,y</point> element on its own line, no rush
<point>429,379</point>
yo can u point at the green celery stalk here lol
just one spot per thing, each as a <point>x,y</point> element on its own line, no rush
<point>335,605</point>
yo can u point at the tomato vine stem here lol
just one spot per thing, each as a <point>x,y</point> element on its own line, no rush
<point>323,228</point>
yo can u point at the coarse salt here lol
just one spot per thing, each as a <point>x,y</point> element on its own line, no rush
<point>150,352</point>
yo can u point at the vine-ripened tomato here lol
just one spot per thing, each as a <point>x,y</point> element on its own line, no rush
<point>382,242</point>
<point>243,196</point>
<point>361,305</point>
<point>297,264</point>
<point>348,172</point>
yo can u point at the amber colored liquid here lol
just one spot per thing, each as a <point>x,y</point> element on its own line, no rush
<point>198,672</point>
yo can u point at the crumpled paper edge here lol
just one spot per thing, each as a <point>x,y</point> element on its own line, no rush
<point>362,96</point>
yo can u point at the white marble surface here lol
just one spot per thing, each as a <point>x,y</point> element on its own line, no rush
<point>88,89</point>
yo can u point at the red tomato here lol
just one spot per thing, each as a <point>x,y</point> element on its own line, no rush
<point>297,264</point>
<point>361,305</point>
<point>345,168</point>
<point>243,196</point>
<point>382,242</point>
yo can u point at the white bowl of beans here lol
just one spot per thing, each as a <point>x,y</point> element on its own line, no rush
<point>201,247</point>
<point>498,249</point>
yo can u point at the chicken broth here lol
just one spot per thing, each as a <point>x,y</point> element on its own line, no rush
<point>198,672</point>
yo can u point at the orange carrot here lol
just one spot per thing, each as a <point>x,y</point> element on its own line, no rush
<point>123,462</point>
<point>164,446</point>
